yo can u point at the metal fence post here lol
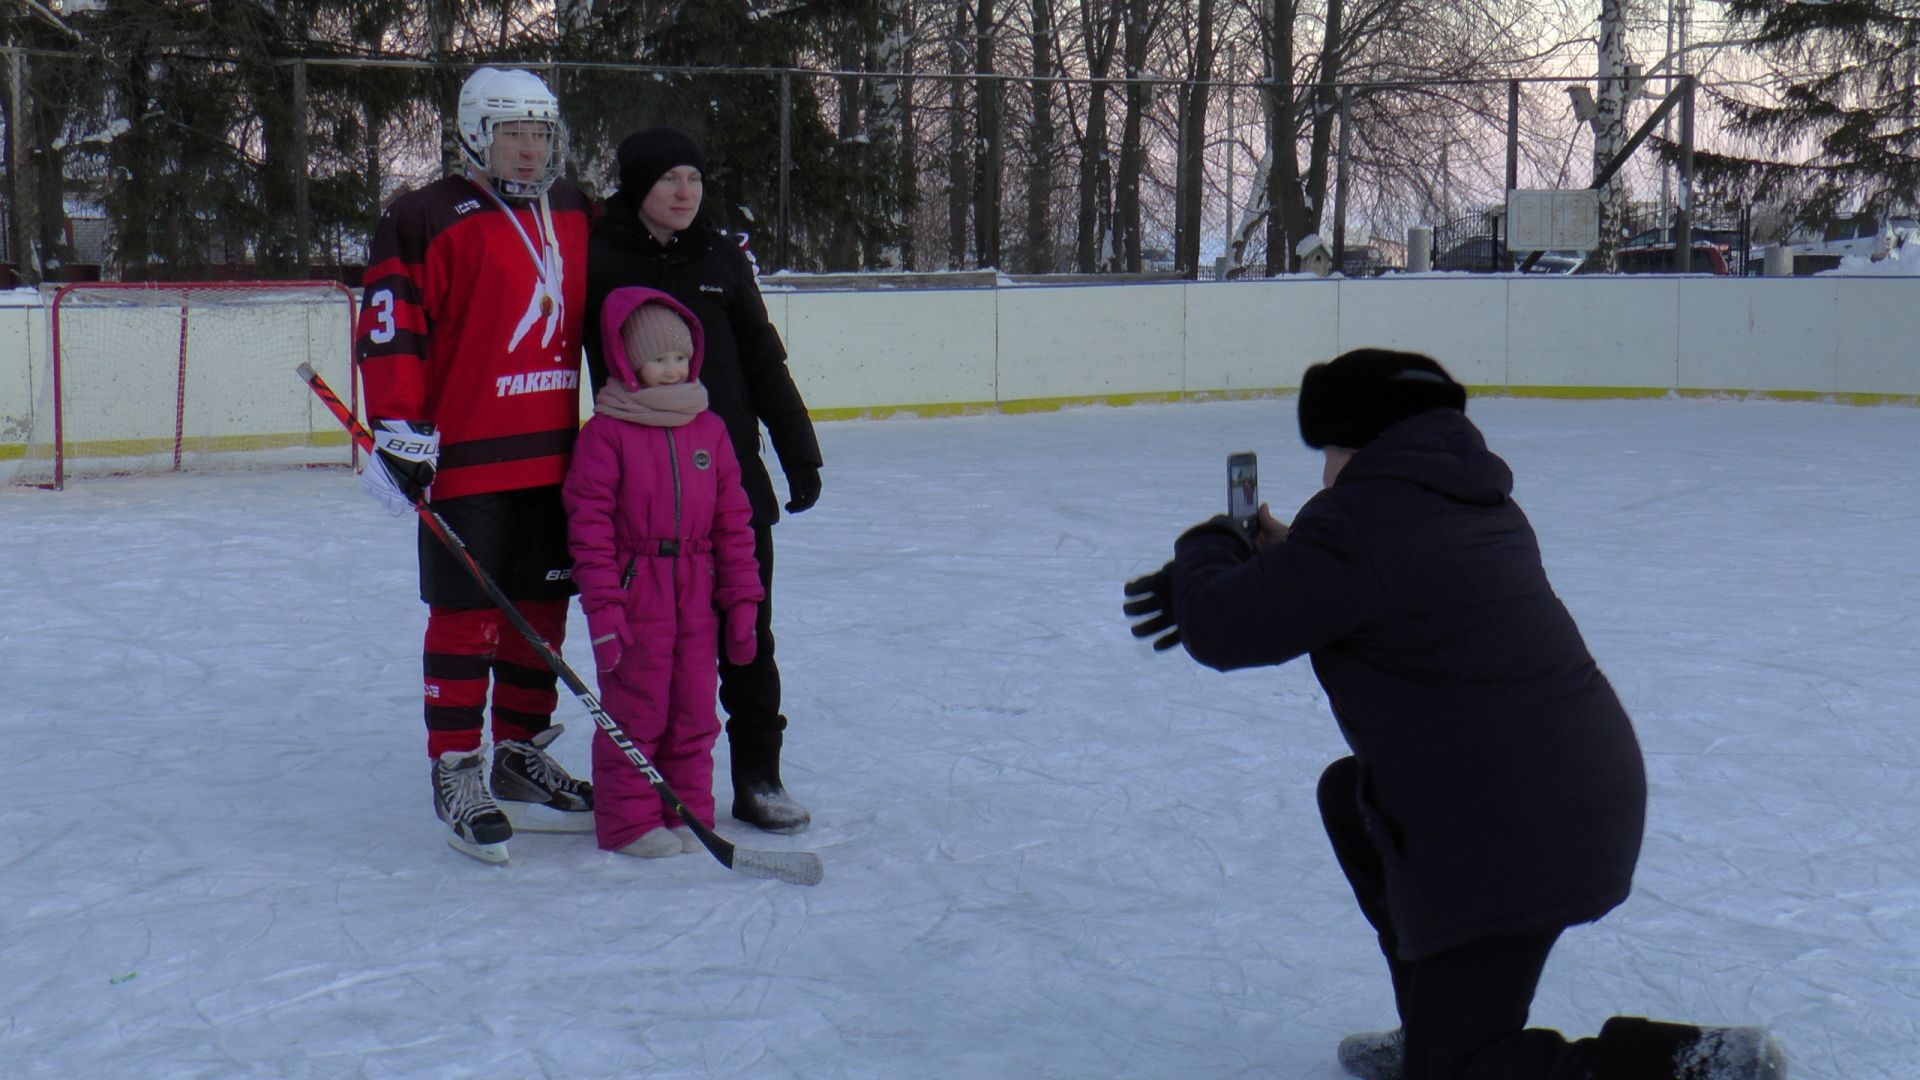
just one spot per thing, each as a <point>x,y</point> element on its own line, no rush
<point>1683,218</point>
<point>781,215</point>
<point>1513,147</point>
<point>302,208</point>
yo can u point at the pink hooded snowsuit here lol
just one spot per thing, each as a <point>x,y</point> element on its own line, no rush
<point>660,529</point>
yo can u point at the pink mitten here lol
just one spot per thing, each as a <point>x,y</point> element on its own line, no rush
<point>739,633</point>
<point>608,629</point>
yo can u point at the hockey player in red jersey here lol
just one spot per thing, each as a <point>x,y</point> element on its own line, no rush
<point>469,353</point>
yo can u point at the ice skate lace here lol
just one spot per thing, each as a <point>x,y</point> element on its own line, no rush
<point>466,795</point>
<point>543,770</point>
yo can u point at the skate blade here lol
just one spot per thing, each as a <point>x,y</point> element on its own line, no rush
<point>535,817</point>
<point>491,854</point>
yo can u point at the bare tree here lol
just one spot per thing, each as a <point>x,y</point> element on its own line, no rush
<point>1137,33</point>
<point>1192,148</point>
<point>1099,33</point>
<point>988,143</point>
<point>1035,254</point>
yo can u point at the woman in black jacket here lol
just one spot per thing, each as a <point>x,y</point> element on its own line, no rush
<point>652,232</point>
<point>1495,794</point>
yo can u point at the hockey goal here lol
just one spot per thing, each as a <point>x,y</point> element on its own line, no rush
<point>188,376</point>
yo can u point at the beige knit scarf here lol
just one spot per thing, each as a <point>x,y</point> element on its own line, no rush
<point>654,406</point>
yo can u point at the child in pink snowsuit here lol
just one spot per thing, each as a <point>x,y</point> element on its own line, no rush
<point>662,546</point>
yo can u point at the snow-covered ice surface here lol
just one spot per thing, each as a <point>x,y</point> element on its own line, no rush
<point>1050,853</point>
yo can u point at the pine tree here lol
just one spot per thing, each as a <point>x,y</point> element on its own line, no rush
<point>1843,123</point>
<point>837,199</point>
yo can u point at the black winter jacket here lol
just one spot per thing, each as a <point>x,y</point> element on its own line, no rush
<point>1500,778</point>
<point>745,365</point>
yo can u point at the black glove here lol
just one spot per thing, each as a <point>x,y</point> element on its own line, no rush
<point>803,484</point>
<point>1155,591</point>
<point>1223,525</point>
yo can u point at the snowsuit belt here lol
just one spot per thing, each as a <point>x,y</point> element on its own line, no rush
<point>670,548</point>
<point>665,549</point>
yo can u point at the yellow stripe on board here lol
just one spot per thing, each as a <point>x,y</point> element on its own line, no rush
<point>1563,393</point>
<point>198,444</point>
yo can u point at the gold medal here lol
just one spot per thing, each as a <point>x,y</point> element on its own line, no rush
<point>546,305</point>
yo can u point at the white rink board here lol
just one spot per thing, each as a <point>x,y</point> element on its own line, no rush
<point>1879,336</point>
<point>1459,319</point>
<point>1246,335</point>
<point>874,351</point>
<point>23,337</point>
<point>1090,341</point>
<point>1592,332</point>
<point>1770,334</point>
<point>878,349</point>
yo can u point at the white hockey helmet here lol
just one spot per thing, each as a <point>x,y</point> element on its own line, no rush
<point>494,96</point>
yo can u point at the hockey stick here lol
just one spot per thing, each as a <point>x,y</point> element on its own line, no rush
<point>795,867</point>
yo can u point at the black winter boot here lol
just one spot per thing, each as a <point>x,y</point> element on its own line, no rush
<point>759,798</point>
<point>1633,1048</point>
<point>1375,1055</point>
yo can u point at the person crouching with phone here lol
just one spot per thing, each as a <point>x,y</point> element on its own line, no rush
<point>1495,794</point>
<point>662,541</point>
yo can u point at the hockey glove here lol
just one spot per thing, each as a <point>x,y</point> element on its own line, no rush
<point>608,630</point>
<point>402,467</point>
<point>1154,608</point>
<point>803,487</point>
<point>742,641</point>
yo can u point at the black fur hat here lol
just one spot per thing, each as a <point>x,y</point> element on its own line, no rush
<point>645,156</point>
<point>1352,398</point>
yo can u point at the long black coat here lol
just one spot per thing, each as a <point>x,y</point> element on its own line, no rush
<point>1500,778</point>
<point>745,365</point>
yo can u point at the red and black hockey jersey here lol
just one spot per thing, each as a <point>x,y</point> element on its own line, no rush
<point>461,327</point>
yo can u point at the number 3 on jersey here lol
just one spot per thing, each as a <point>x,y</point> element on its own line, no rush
<point>382,302</point>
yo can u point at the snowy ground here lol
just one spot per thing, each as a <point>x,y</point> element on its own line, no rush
<point>1050,853</point>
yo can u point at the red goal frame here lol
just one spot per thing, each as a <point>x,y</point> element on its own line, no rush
<point>186,289</point>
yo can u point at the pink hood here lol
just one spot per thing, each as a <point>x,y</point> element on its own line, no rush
<point>621,303</point>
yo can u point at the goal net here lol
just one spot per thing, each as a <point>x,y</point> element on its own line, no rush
<point>188,377</point>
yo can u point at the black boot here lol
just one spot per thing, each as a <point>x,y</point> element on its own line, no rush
<point>1633,1048</point>
<point>759,798</point>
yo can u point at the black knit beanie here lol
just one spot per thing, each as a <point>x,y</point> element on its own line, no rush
<point>1352,398</point>
<point>645,156</point>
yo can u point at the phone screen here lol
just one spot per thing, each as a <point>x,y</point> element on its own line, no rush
<point>1243,488</point>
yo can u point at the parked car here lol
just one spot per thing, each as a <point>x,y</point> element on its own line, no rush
<point>1716,250</point>
<point>1658,258</point>
<point>1364,261</point>
<point>1480,255</point>
<point>1821,246</point>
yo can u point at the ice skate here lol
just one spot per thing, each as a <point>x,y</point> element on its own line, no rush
<point>766,805</point>
<point>656,843</point>
<point>535,793</point>
<point>460,798</point>
<point>1375,1055</point>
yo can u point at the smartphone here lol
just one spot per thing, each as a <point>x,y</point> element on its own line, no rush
<point>1243,489</point>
